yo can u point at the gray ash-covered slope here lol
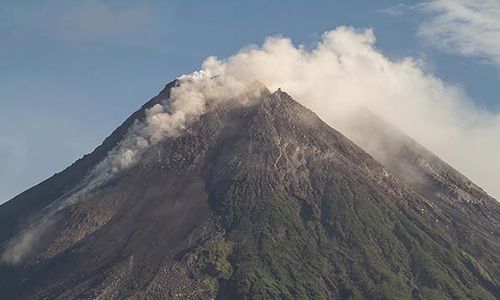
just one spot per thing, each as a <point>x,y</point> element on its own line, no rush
<point>255,202</point>
<point>474,215</point>
<point>15,213</point>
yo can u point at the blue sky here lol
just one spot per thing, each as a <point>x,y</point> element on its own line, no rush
<point>72,71</point>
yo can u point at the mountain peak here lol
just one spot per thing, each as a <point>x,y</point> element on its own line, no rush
<point>251,201</point>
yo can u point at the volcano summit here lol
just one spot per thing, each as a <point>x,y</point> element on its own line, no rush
<point>256,198</point>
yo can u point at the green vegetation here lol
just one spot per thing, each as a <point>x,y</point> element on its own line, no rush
<point>345,247</point>
<point>210,262</point>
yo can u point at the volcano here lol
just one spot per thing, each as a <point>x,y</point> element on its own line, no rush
<point>257,201</point>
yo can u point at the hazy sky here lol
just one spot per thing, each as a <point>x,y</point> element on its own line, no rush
<point>72,71</point>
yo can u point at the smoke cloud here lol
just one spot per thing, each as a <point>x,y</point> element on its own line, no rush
<point>342,72</point>
<point>195,94</point>
<point>345,71</point>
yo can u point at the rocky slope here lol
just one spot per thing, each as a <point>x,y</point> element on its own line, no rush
<point>256,202</point>
<point>473,215</point>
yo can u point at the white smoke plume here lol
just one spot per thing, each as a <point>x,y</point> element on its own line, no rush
<point>342,72</point>
<point>195,94</point>
<point>345,71</point>
<point>25,243</point>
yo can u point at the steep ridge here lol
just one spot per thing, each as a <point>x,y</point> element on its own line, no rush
<point>17,213</point>
<point>473,214</point>
<point>258,201</point>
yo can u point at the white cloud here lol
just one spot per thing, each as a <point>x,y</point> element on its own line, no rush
<point>395,10</point>
<point>463,27</point>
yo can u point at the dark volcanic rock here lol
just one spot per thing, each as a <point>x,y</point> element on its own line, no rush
<point>260,201</point>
